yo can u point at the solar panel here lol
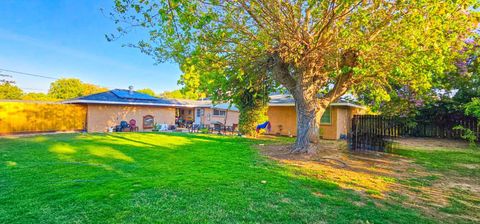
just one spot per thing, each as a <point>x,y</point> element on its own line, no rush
<point>125,94</point>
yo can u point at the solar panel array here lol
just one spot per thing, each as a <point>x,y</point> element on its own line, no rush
<point>125,94</point>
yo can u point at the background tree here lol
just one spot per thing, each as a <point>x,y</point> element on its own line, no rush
<point>147,91</point>
<point>37,97</point>
<point>320,49</point>
<point>10,92</point>
<point>88,89</point>
<point>179,94</point>
<point>68,88</point>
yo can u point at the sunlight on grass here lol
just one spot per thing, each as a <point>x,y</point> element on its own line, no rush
<point>146,140</point>
<point>40,139</point>
<point>108,152</point>
<point>344,178</point>
<point>62,148</point>
<point>11,163</point>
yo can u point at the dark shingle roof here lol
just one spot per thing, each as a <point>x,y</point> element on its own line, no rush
<point>120,96</point>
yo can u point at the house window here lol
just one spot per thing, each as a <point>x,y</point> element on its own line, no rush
<point>326,117</point>
<point>199,112</point>
<point>218,112</point>
<point>148,122</point>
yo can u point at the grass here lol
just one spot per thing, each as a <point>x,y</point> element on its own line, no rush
<point>170,178</point>
<point>457,166</point>
<point>463,162</point>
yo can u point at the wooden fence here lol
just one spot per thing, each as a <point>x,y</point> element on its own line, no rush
<point>31,117</point>
<point>374,132</point>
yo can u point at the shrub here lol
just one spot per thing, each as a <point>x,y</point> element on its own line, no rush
<point>468,135</point>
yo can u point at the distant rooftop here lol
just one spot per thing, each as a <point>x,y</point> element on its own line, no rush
<point>287,100</point>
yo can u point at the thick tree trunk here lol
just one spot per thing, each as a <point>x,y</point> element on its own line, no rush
<point>308,119</point>
<point>305,133</point>
<point>309,112</point>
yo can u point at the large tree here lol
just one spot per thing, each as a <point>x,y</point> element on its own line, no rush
<point>319,49</point>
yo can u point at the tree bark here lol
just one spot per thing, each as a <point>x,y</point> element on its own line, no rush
<point>309,110</point>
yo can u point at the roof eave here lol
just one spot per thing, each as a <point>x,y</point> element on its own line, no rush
<point>134,103</point>
<point>124,103</point>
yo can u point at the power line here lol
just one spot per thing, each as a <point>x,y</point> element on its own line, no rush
<point>29,74</point>
<point>26,88</point>
<point>35,75</point>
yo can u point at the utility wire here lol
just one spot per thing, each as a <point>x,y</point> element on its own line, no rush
<point>26,88</point>
<point>29,74</point>
<point>35,75</point>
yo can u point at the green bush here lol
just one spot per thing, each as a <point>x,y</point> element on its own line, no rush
<point>468,135</point>
<point>251,116</point>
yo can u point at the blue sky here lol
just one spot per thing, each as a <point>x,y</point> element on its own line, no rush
<point>66,39</point>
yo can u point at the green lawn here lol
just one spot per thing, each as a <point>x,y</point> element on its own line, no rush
<point>449,161</point>
<point>149,177</point>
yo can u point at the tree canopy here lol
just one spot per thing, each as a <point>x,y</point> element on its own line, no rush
<point>147,91</point>
<point>70,88</point>
<point>179,94</point>
<point>10,92</point>
<point>37,97</point>
<point>317,50</point>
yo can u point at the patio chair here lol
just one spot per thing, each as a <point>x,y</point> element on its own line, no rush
<point>124,126</point>
<point>133,125</point>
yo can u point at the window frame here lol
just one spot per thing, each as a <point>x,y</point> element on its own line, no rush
<point>221,113</point>
<point>148,117</point>
<point>329,110</point>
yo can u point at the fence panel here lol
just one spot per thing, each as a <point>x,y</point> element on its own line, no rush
<point>29,117</point>
<point>375,132</point>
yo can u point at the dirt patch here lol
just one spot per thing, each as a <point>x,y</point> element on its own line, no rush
<point>432,143</point>
<point>379,175</point>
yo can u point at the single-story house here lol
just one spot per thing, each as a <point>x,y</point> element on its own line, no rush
<point>335,122</point>
<point>108,109</point>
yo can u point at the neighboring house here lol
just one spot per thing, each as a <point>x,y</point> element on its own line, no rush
<point>336,120</point>
<point>108,109</point>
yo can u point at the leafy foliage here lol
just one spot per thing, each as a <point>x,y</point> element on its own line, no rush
<point>37,97</point>
<point>473,108</point>
<point>450,94</point>
<point>179,94</point>
<point>10,92</point>
<point>147,91</point>
<point>468,135</point>
<point>70,88</point>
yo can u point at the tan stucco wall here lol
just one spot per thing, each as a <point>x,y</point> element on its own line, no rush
<point>208,117</point>
<point>101,117</point>
<point>287,118</point>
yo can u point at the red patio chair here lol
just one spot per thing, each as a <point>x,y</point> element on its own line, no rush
<point>133,125</point>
